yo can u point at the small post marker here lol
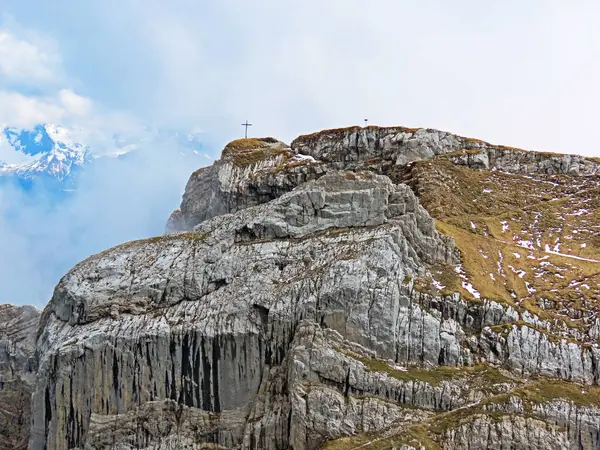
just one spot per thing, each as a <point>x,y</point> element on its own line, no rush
<point>246,131</point>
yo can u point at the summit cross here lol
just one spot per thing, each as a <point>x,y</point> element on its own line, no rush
<point>246,131</point>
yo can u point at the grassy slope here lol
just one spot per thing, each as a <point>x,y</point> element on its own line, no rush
<point>503,224</point>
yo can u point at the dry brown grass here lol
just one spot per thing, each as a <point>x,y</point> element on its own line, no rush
<point>492,216</point>
<point>246,152</point>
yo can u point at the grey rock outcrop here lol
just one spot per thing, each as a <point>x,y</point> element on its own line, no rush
<point>18,329</point>
<point>508,431</point>
<point>398,145</point>
<point>250,172</point>
<point>346,147</point>
<point>523,162</point>
<point>236,181</point>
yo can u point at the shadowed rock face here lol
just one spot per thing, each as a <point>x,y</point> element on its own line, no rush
<point>313,301</point>
<point>18,328</point>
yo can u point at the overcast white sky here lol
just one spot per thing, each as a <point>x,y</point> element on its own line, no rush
<point>521,73</point>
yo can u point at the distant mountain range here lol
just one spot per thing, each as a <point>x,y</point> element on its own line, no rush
<point>52,155</point>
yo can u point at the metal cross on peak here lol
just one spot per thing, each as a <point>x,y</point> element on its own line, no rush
<point>246,131</point>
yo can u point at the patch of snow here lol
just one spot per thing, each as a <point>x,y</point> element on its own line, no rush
<point>469,287</point>
<point>465,284</point>
<point>437,284</point>
<point>552,252</point>
<point>519,273</point>
<point>500,262</point>
<point>530,288</point>
<point>526,244</point>
<point>579,212</point>
<point>300,157</point>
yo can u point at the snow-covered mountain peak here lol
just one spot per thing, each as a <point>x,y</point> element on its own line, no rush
<point>43,150</point>
<point>55,152</point>
<point>61,136</point>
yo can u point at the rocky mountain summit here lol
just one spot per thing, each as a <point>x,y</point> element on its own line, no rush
<point>360,288</point>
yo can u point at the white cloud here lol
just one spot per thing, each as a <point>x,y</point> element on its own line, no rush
<point>516,73</point>
<point>28,60</point>
<point>24,61</point>
<point>75,104</point>
<point>20,111</point>
<point>87,123</point>
<point>64,107</point>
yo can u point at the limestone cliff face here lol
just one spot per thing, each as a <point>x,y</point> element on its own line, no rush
<point>211,319</point>
<point>18,328</point>
<point>314,300</point>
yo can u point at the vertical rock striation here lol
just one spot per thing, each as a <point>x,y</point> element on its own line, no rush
<point>18,328</point>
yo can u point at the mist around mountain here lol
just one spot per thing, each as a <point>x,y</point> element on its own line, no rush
<point>62,199</point>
